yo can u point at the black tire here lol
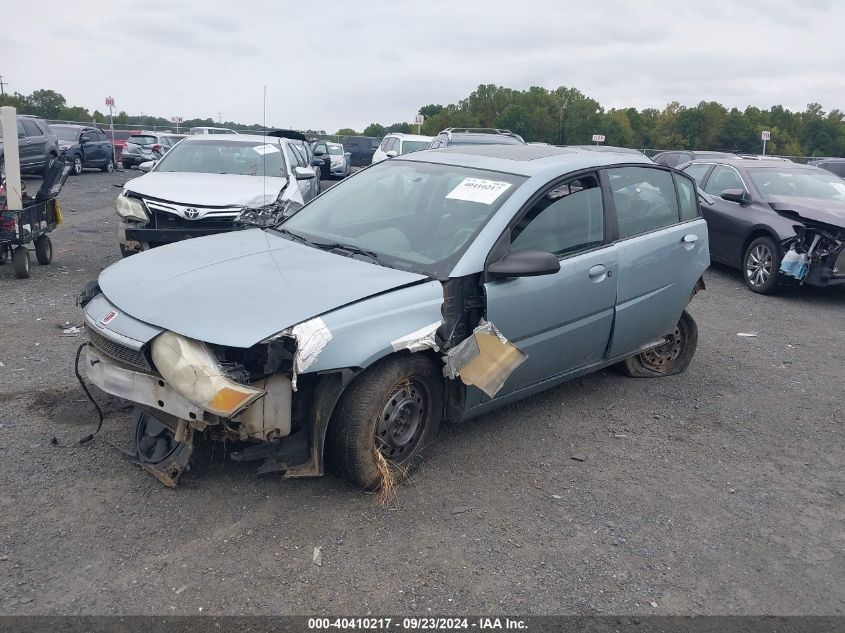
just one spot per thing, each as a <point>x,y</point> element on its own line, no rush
<point>671,358</point>
<point>44,250</point>
<point>76,165</point>
<point>400,399</point>
<point>761,266</point>
<point>2,172</point>
<point>127,165</point>
<point>109,166</point>
<point>126,252</point>
<point>20,262</point>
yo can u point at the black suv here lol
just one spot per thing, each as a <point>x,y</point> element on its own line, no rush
<point>84,146</point>
<point>475,136</point>
<point>37,147</point>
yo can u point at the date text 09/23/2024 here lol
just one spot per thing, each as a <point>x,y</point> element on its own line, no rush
<point>417,624</point>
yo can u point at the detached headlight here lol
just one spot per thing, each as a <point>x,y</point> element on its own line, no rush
<point>130,208</point>
<point>192,370</point>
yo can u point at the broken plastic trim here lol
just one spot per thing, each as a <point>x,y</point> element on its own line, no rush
<point>421,339</point>
<point>485,359</point>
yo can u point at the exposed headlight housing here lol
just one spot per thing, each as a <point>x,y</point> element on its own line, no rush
<point>130,209</point>
<point>193,371</point>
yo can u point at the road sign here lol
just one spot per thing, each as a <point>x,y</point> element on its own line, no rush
<point>766,136</point>
<point>176,119</point>
<point>419,119</point>
<point>110,102</point>
<point>598,138</point>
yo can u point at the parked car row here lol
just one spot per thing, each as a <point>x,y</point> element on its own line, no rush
<point>37,146</point>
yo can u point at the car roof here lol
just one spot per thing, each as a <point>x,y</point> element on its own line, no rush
<point>524,160</point>
<point>750,162</point>
<point>410,137</point>
<point>73,125</point>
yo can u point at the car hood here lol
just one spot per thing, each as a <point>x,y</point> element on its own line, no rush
<point>239,288</point>
<point>830,212</point>
<point>208,190</point>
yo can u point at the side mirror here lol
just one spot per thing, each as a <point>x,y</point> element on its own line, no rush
<point>302,173</point>
<point>392,153</point>
<point>735,195</point>
<point>525,264</point>
<point>84,139</point>
<point>316,162</point>
<point>148,166</point>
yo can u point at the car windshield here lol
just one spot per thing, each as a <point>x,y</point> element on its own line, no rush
<point>836,168</point>
<point>414,146</point>
<point>802,183</point>
<point>335,150</point>
<point>411,215</point>
<point>143,140</point>
<point>221,156</point>
<point>64,133</point>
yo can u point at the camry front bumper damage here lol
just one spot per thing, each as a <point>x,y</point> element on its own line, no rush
<point>814,257</point>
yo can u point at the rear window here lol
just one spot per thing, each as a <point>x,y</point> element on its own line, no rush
<point>335,150</point>
<point>64,133</point>
<point>143,140</point>
<point>414,146</point>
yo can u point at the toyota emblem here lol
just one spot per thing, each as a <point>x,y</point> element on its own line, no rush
<point>192,214</point>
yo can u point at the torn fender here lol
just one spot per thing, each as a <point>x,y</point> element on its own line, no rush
<point>484,359</point>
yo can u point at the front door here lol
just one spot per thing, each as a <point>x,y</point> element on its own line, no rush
<point>726,220</point>
<point>561,321</point>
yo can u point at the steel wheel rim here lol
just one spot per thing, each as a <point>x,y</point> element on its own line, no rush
<point>402,420</point>
<point>660,356</point>
<point>758,265</point>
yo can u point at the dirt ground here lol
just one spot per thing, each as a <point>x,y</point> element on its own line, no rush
<point>719,491</point>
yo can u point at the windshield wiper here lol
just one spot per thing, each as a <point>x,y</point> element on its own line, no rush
<point>296,236</point>
<point>349,248</point>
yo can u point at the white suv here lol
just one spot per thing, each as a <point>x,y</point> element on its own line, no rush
<point>397,143</point>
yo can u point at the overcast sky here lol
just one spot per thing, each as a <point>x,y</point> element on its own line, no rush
<point>331,64</point>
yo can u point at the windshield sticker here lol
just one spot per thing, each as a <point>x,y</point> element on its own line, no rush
<point>478,190</point>
<point>265,149</point>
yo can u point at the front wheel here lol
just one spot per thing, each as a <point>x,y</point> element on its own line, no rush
<point>669,358</point>
<point>44,250</point>
<point>760,266</point>
<point>389,415</point>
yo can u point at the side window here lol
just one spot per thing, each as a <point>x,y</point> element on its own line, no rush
<point>697,171</point>
<point>722,178</point>
<point>300,153</point>
<point>384,144</point>
<point>21,131</point>
<point>687,197</point>
<point>31,128</point>
<point>100,136</point>
<point>321,147</point>
<point>567,219</point>
<point>644,198</point>
<point>295,160</point>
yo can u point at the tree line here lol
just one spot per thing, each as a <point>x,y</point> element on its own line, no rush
<point>563,116</point>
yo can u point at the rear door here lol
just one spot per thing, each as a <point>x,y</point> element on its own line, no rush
<point>561,321</point>
<point>35,144</point>
<point>662,248</point>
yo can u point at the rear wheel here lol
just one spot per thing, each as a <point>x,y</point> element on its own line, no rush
<point>76,165</point>
<point>671,357</point>
<point>20,262</point>
<point>44,250</point>
<point>761,265</point>
<point>386,418</point>
<point>48,163</point>
<point>2,173</point>
<point>109,166</point>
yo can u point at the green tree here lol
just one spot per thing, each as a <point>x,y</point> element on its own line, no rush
<point>346,131</point>
<point>431,110</point>
<point>374,129</point>
<point>46,103</point>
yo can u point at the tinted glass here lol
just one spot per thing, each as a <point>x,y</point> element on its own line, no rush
<point>687,197</point>
<point>568,219</point>
<point>835,168</point>
<point>802,183</point>
<point>31,129</point>
<point>697,171</point>
<point>335,150</point>
<point>295,159</point>
<point>416,216</point>
<point>64,133</point>
<point>320,147</point>
<point>644,198</point>
<point>142,140</point>
<point>722,178</point>
<point>414,146</point>
<point>225,157</point>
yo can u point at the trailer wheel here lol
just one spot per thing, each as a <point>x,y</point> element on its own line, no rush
<point>44,250</point>
<point>20,262</point>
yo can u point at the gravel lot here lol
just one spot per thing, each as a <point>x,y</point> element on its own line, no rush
<point>719,491</point>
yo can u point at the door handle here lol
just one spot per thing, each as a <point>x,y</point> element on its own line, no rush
<point>690,238</point>
<point>598,272</point>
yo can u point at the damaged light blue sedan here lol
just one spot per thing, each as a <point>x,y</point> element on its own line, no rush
<point>432,287</point>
